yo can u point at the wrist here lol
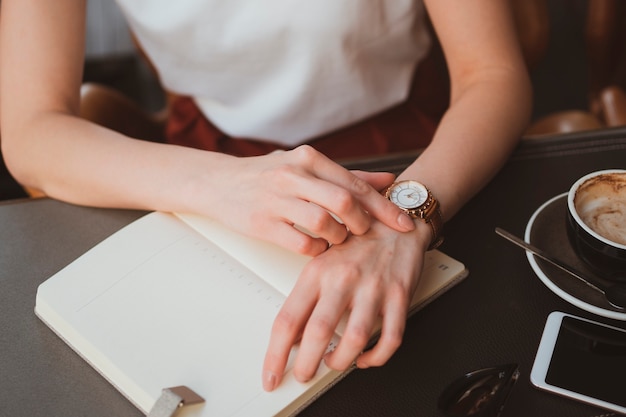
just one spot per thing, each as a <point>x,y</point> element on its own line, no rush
<point>423,235</point>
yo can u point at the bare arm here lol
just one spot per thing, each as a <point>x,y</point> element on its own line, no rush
<point>48,147</point>
<point>490,101</point>
<point>375,275</point>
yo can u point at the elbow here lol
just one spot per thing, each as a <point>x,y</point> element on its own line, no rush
<point>11,160</point>
<point>525,102</point>
<point>524,97</point>
<point>16,160</point>
<point>528,91</point>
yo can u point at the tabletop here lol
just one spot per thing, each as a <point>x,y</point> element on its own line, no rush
<point>495,316</point>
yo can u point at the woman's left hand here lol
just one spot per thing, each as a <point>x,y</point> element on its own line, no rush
<point>370,277</point>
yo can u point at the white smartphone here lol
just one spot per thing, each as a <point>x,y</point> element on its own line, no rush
<point>582,359</point>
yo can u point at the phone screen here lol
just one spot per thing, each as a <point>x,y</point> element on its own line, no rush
<point>589,359</point>
<point>582,357</point>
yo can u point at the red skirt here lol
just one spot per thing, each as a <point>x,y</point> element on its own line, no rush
<point>405,127</point>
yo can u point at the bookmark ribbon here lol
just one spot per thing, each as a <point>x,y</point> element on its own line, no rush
<point>172,399</point>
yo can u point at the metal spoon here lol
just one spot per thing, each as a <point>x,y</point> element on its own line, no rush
<point>615,293</point>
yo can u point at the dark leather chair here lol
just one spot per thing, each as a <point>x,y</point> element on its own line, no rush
<point>605,51</point>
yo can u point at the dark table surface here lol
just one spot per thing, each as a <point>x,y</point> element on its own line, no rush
<point>495,316</point>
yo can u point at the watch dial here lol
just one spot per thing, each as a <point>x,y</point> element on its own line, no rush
<point>408,194</point>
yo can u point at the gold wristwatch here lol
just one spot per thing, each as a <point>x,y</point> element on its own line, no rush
<point>419,203</point>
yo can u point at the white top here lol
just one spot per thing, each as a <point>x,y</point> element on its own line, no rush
<point>283,70</point>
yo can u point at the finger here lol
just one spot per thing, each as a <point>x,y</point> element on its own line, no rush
<point>388,213</point>
<point>393,325</point>
<point>317,335</point>
<point>318,222</point>
<point>378,180</point>
<point>312,177</point>
<point>289,237</point>
<point>337,200</point>
<point>356,335</point>
<point>286,331</point>
<point>367,199</point>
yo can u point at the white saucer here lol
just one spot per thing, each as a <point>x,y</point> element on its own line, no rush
<point>547,230</point>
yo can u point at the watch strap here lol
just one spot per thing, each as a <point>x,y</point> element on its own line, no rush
<point>436,225</point>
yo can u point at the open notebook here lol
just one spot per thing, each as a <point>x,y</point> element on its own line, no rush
<point>181,300</point>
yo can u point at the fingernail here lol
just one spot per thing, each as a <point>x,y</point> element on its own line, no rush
<point>269,380</point>
<point>361,364</point>
<point>406,222</point>
<point>303,379</point>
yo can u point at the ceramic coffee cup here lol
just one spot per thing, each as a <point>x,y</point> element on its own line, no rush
<point>596,220</point>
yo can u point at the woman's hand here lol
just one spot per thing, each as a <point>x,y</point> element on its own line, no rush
<point>370,277</point>
<point>267,196</point>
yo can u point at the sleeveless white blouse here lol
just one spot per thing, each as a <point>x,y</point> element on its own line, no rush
<point>283,71</point>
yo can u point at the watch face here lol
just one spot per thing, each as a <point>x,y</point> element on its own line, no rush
<point>408,194</point>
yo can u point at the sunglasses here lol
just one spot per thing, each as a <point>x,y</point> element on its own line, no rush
<point>480,393</point>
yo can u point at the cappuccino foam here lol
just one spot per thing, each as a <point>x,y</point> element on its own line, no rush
<point>601,205</point>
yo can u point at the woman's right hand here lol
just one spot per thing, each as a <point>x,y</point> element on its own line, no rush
<point>266,196</point>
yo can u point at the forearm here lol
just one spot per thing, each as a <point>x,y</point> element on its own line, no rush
<point>490,100</point>
<point>76,161</point>
<point>474,139</point>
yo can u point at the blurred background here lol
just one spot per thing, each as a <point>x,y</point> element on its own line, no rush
<point>574,49</point>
